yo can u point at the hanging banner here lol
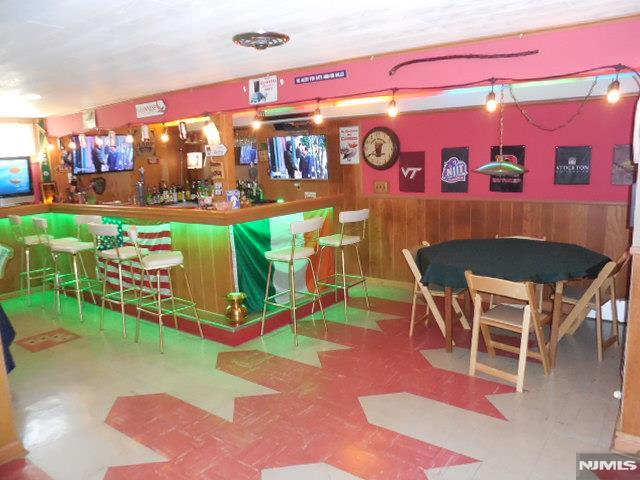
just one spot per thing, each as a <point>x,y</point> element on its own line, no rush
<point>350,145</point>
<point>454,176</point>
<point>319,77</point>
<point>411,171</point>
<point>263,90</point>
<point>513,154</point>
<point>573,165</point>
<point>623,169</point>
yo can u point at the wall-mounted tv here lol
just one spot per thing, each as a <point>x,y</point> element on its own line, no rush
<point>298,157</point>
<point>15,177</point>
<point>102,158</point>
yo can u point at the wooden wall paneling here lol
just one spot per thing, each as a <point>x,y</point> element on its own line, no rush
<point>532,219</point>
<point>399,236</point>
<point>431,213</point>
<point>462,219</point>
<point>375,237</point>
<point>578,224</point>
<point>476,219</point>
<point>517,220</point>
<point>445,218</point>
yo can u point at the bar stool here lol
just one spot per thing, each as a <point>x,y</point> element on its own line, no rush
<point>349,219</point>
<point>27,243</point>
<point>67,246</point>
<point>153,264</point>
<point>289,255</point>
<point>119,256</point>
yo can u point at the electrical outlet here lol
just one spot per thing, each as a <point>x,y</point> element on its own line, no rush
<point>380,186</point>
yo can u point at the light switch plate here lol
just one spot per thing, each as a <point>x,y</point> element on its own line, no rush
<point>380,186</point>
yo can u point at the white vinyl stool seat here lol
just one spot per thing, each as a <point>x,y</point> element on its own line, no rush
<point>300,231</point>
<point>31,240</point>
<point>284,254</point>
<point>355,219</point>
<point>336,240</point>
<point>162,260</point>
<point>122,253</point>
<point>65,246</point>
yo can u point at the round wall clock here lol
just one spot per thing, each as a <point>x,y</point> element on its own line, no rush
<point>381,148</point>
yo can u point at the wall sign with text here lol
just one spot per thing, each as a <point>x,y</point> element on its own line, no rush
<point>151,109</point>
<point>350,145</point>
<point>573,165</point>
<point>513,154</point>
<point>411,171</point>
<point>263,90</point>
<point>454,175</point>
<point>320,77</point>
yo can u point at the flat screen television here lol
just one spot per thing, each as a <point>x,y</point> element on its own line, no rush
<point>298,157</point>
<point>247,154</point>
<point>102,158</point>
<point>15,180</point>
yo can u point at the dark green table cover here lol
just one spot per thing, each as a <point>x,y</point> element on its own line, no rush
<point>509,258</point>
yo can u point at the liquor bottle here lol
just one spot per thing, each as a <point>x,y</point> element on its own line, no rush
<point>174,194</point>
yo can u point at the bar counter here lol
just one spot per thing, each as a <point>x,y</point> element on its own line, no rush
<point>223,250</point>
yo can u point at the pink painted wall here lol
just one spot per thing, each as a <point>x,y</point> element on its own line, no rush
<point>561,51</point>
<point>600,125</point>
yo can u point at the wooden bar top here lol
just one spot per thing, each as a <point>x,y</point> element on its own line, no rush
<point>180,214</point>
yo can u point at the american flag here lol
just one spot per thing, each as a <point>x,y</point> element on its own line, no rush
<point>154,238</point>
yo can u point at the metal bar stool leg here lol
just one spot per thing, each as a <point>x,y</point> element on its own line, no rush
<point>160,324</point>
<point>86,275</point>
<point>173,302</point>
<point>315,282</point>
<point>104,292</point>
<point>27,256</point>
<point>124,319</point>
<point>266,295</point>
<point>195,309</point>
<point>138,311</point>
<point>292,285</point>
<point>364,280</point>
<point>344,285</point>
<point>56,282</point>
<point>313,305</point>
<point>76,279</point>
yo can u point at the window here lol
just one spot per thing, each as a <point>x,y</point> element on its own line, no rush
<point>16,139</point>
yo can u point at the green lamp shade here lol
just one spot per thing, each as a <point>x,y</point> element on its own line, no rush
<point>501,169</point>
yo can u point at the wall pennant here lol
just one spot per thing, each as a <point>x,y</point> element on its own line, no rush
<point>454,175</point>
<point>411,171</point>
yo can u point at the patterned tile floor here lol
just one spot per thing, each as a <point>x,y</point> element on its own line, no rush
<point>360,401</point>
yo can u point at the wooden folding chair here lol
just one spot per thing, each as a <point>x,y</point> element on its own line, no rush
<point>518,319</point>
<point>430,291</point>
<point>585,299</point>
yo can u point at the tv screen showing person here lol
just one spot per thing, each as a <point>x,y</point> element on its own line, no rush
<point>298,157</point>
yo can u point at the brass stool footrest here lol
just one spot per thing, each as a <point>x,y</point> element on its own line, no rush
<point>181,305</point>
<point>327,283</point>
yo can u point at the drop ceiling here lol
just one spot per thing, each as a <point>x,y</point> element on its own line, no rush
<point>77,54</point>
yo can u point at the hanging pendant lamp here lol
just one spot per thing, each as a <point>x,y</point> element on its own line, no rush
<point>502,165</point>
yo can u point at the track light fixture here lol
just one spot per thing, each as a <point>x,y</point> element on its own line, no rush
<point>164,136</point>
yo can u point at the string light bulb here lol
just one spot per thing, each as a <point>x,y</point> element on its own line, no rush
<point>317,114</point>
<point>50,146</point>
<point>129,137</point>
<point>71,145</point>
<point>257,122</point>
<point>613,91</point>
<point>491,104</point>
<point>98,141</point>
<point>164,136</point>
<point>392,108</point>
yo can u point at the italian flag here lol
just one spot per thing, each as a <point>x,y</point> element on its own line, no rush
<point>252,239</point>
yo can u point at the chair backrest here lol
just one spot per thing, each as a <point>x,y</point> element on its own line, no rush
<point>350,218</point>
<point>620,263</point>
<point>41,226</point>
<point>410,256</point>
<point>353,216</point>
<point>307,226</point>
<point>17,226</point>
<point>103,229</point>
<point>523,237</point>
<point>85,220</point>
<point>496,286</point>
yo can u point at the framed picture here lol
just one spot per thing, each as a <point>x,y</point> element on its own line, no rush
<point>623,169</point>
<point>49,192</point>
<point>454,176</point>
<point>573,165</point>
